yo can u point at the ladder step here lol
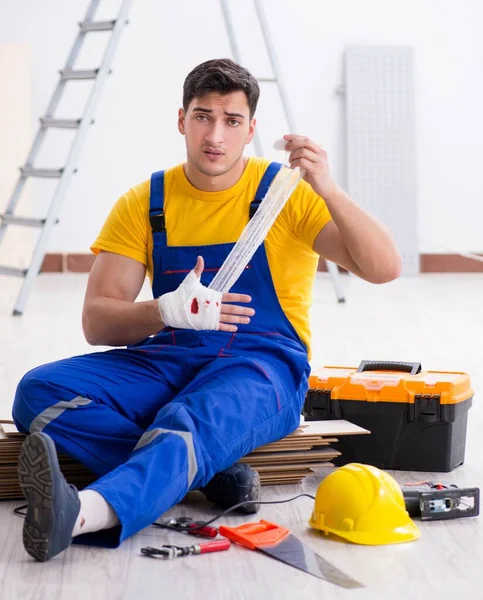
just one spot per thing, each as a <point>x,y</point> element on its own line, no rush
<point>25,221</point>
<point>79,74</point>
<point>13,271</point>
<point>32,172</point>
<point>97,25</point>
<point>61,123</point>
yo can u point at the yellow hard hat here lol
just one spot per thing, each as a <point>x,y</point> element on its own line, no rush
<point>363,505</point>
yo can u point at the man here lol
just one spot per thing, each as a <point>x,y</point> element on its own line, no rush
<point>206,377</point>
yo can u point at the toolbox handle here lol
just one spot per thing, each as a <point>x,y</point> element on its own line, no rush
<point>387,365</point>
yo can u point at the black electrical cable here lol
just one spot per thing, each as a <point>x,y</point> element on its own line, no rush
<point>200,524</point>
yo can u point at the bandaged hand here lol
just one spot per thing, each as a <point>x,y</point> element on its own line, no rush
<point>194,306</point>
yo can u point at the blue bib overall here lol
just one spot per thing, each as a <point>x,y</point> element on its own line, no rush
<point>159,418</point>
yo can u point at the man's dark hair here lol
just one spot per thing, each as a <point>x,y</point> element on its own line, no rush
<point>220,75</point>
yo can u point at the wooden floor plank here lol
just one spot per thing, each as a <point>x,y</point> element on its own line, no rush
<point>435,319</point>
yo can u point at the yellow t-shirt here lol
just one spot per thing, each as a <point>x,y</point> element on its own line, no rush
<point>195,218</point>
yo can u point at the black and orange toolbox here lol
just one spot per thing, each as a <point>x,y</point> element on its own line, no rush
<point>417,418</point>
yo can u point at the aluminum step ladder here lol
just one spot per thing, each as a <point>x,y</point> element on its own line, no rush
<point>64,175</point>
<point>278,80</point>
<point>82,124</point>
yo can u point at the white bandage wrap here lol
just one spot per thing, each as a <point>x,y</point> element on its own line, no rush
<point>191,306</point>
<point>280,144</point>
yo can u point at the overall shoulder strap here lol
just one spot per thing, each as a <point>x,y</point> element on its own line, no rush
<point>269,175</point>
<point>156,205</point>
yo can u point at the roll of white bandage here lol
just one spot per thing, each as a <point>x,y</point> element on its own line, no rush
<point>191,306</point>
<point>257,228</point>
<point>280,144</point>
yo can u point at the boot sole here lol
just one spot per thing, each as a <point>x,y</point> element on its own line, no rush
<point>37,483</point>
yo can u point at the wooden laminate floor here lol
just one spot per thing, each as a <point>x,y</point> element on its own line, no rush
<point>434,319</point>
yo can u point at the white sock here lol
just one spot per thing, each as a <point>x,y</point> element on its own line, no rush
<point>95,513</point>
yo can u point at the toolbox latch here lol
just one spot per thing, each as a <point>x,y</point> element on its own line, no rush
<point>319,406</point>
<point>426,408</point>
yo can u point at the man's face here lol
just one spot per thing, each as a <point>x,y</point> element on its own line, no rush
<point>217,127</point>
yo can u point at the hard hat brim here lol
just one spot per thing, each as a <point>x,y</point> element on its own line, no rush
<point>406,533</point>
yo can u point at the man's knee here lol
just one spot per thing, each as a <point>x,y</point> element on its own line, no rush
<point>30,396</point>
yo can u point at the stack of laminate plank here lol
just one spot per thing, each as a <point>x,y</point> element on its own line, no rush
<point>291,459</point>
<point>287,461</point>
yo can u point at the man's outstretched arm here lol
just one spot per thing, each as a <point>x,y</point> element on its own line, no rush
<point>357,241</point>
<point>353,239</point>
<point>111,317</point>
